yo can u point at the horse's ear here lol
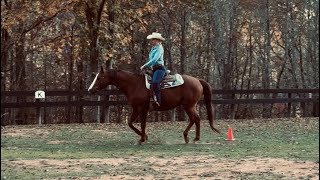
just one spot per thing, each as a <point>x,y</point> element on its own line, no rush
<point>101,69</point>
<point>109,64</point>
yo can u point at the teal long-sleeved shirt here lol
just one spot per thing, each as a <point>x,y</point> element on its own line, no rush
<point>155,56</point>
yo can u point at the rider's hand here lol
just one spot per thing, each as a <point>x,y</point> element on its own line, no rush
<point>142,67</point>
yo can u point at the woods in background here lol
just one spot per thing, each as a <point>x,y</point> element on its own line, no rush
<point>238,44</point>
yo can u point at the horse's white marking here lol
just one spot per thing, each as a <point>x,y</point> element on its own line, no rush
<point>94,81</point>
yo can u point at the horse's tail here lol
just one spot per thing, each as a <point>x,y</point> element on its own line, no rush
<point>207,100</point>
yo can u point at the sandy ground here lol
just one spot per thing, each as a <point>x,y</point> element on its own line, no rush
<point>191,167</point>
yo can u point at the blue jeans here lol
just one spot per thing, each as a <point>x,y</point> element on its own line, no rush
<point>156,79</point>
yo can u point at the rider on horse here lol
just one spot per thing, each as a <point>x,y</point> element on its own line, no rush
<point>156,63</point>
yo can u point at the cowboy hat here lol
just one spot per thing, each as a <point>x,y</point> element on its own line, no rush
<point>155,35</point>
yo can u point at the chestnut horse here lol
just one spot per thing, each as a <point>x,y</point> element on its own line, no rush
<point>138,96</point>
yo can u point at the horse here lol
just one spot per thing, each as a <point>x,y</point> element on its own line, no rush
<point>134,87</point>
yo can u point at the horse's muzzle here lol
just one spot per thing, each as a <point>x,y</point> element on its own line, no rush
<point>92,91</point>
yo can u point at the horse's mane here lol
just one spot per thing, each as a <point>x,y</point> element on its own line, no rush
<point>113,73</point>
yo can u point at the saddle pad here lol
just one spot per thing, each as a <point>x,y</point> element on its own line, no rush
<point>168,82</point>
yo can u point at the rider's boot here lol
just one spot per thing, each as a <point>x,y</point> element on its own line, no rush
<point>156,104</point>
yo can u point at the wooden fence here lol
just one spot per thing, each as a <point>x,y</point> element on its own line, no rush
<point>9,99</point>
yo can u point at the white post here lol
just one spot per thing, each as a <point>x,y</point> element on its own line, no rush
<point>173,115</point>
<point>40,114</point>
<point>39,95</point>
<point>107,113</point>
<point>99,108</point>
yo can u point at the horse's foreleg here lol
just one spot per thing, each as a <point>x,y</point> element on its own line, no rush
<point>143,119</point>
<point>133,117</point>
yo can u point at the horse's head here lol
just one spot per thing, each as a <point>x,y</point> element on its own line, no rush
<point>101,81</point>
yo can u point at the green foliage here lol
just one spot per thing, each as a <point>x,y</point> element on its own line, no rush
<point>233,44</point>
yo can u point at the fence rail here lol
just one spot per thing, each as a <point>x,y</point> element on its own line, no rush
<point>114,103</point>
<point>11,100</point>
<point>117,92</point>
<point>306,95</point>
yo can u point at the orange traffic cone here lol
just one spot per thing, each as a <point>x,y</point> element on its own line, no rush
<point>230,135</point>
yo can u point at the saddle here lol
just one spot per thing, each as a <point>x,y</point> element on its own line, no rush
<point>168,81</point>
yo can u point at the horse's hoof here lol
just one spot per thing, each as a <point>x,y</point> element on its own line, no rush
<point>195,141</point>
<point>141,142</point>
<point>186,140</point>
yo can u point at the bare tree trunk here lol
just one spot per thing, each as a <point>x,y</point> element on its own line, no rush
<point>69,55</point>
<point>168,48</point>
<point>93,15</point>
<point>219,47</point>
<point>183,50</point>
<point>208,52</point>
<point>315,45</point>
<point>266,61</point>
<point>250,72</point>
<point>183,54</point>
<point>228,65</point>
<point>106,114</point>
<point>79,109</point>
<point>20,79</point>
<point>4,69</point>
<point>105,110</point>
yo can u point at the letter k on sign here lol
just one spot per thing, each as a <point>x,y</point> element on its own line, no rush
<point>40,94</point>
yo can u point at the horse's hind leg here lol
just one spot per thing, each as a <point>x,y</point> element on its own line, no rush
<point>190,114</point>
<point>197,122</point>
<point>186,131</point>
<point>194,118</point>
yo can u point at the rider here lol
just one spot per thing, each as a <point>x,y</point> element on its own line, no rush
<point>156,63</point>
